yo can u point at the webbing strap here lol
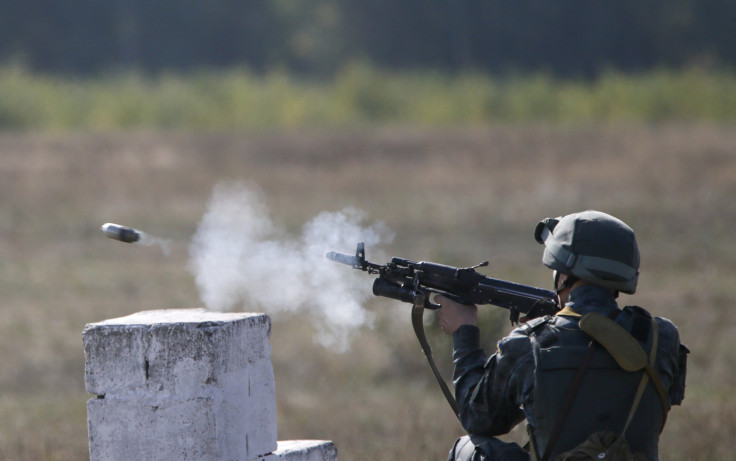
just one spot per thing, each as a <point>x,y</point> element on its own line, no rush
<point>644,379</point>
<point>567,404</point>
<point>417,321</point>
<point>643,383</point>
<point>656,380</point>
<point>627,351</point>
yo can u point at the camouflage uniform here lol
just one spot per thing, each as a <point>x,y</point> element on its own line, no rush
<point>529,375</point>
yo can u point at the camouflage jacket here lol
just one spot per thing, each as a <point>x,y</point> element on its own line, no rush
<point>529,374</point>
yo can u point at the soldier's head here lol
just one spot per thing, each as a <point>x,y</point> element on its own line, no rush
<point>591,246</point>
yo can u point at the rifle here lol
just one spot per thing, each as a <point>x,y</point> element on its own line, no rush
<point>415,282</point>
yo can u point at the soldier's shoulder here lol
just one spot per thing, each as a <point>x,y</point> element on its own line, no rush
<point>637,311</point>
<point>533,325</point>
<point>662,322</point>
<point>669,335</point>
<point>518,341</point>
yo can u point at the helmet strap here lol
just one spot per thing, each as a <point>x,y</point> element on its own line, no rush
<point>569,281</point>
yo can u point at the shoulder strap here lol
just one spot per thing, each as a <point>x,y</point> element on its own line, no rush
<point>626,350</point>
<point>644,378</point>
<point>656,380</point>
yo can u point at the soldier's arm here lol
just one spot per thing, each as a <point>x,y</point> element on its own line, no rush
<point>490,392</point>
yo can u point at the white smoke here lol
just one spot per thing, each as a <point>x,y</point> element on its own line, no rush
<point>240,257</point>
<point>151,240</point>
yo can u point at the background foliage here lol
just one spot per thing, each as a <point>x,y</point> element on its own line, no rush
<point>358,95</point>
<point>575,38</point>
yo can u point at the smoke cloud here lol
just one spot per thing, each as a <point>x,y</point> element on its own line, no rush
<point>241,258</point>
<point>151,240</point>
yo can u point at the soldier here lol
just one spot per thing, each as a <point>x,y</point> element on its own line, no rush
<point>551,373</point>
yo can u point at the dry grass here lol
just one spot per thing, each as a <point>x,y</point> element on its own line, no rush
<point>453,196</point>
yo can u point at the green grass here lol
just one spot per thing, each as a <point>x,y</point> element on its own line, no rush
<point>357,95</point>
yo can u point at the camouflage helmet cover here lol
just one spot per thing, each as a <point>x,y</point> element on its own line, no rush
<point>592,246</point>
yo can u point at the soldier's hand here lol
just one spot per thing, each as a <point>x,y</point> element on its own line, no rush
<point>453,314</point>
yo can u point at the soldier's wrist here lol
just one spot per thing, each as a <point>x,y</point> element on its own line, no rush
<point>466,336</point>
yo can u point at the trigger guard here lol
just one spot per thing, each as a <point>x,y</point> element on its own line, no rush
<point>451,296</point>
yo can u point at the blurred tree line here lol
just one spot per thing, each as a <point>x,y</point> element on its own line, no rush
<point>572,38</point>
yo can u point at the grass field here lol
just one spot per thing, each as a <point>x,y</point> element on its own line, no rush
<point>455,196</point>
<point>358,94</point>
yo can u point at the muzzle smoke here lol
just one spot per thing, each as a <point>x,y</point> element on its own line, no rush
<point>240,257</point>
<point>150,240</point>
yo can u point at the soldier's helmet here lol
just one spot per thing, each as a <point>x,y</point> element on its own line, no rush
<point>592,246</point>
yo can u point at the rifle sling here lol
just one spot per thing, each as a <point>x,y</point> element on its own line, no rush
<point>417,321</point>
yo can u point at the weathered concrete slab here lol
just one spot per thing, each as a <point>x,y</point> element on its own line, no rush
<point>180,384</point>
<point>177,351</point>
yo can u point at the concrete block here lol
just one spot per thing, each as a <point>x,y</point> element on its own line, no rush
<point>179,351</point>
<point>180,384</point>
<point>191,429</point>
